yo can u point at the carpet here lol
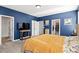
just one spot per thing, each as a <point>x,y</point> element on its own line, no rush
<point>12,47</point>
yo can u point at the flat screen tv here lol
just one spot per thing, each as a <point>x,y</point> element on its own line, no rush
<point>23,26</point>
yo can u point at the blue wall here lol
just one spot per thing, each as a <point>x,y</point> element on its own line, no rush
<point>22,17</point>
<point>65,29</point>
<point>19,18</point>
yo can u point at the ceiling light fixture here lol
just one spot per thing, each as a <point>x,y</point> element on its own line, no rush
<point>38,6</point>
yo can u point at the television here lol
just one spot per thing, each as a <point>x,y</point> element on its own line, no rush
<point>23,26</point>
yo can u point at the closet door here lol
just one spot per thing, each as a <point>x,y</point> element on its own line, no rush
<point>12,28</point>
<point>55,27</point>
<point>41,27</point>
<point>35,28</point>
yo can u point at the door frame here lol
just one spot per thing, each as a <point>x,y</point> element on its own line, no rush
<point>11,28</point>
<point>59,25</point>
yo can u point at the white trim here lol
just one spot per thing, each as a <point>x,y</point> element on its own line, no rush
<point>12,27</point>
<point>12,20</point>
<point>6,16</point>
<point>59,25</point>
<point>16,40</point>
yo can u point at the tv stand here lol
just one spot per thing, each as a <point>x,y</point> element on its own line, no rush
<point>22,33</point>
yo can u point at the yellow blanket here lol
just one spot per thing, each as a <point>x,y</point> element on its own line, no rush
<point>45,44</point>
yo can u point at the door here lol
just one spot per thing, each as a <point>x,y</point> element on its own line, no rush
<point>41,27</point>
<point>35,28</point>
<point>6,30</point>
<point>7,26</point>
<point>12,28</point>
<point>55,27</point>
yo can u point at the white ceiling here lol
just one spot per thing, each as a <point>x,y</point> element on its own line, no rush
<point>43,11</point>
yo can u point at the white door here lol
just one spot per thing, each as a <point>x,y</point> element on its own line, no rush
<point>41,27</point>
<point>35,28</point>
<point>12,28</point>
<point>55,27</point>
<point>5,27</point>
<point>8,27</point>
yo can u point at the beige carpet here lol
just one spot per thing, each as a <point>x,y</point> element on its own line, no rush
<point>12,47</point>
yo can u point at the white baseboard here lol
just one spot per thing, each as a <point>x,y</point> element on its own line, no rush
<point>0,42</point>
<point>12,40</point>
<point>16,40</point>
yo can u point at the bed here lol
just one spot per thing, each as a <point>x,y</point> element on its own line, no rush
<point>46,43</point>
<point>71,44</point>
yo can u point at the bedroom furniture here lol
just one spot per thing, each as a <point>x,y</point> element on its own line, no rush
<point>24,30</point>
<point>71,44</point>
<point>44,44</point>
<point>22,34</point>
<point>74,34</point>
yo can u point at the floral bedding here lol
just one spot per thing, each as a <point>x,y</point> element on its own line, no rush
<point>71,44</point>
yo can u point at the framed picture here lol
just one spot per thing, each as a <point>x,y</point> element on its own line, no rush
<point>68,21</point>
